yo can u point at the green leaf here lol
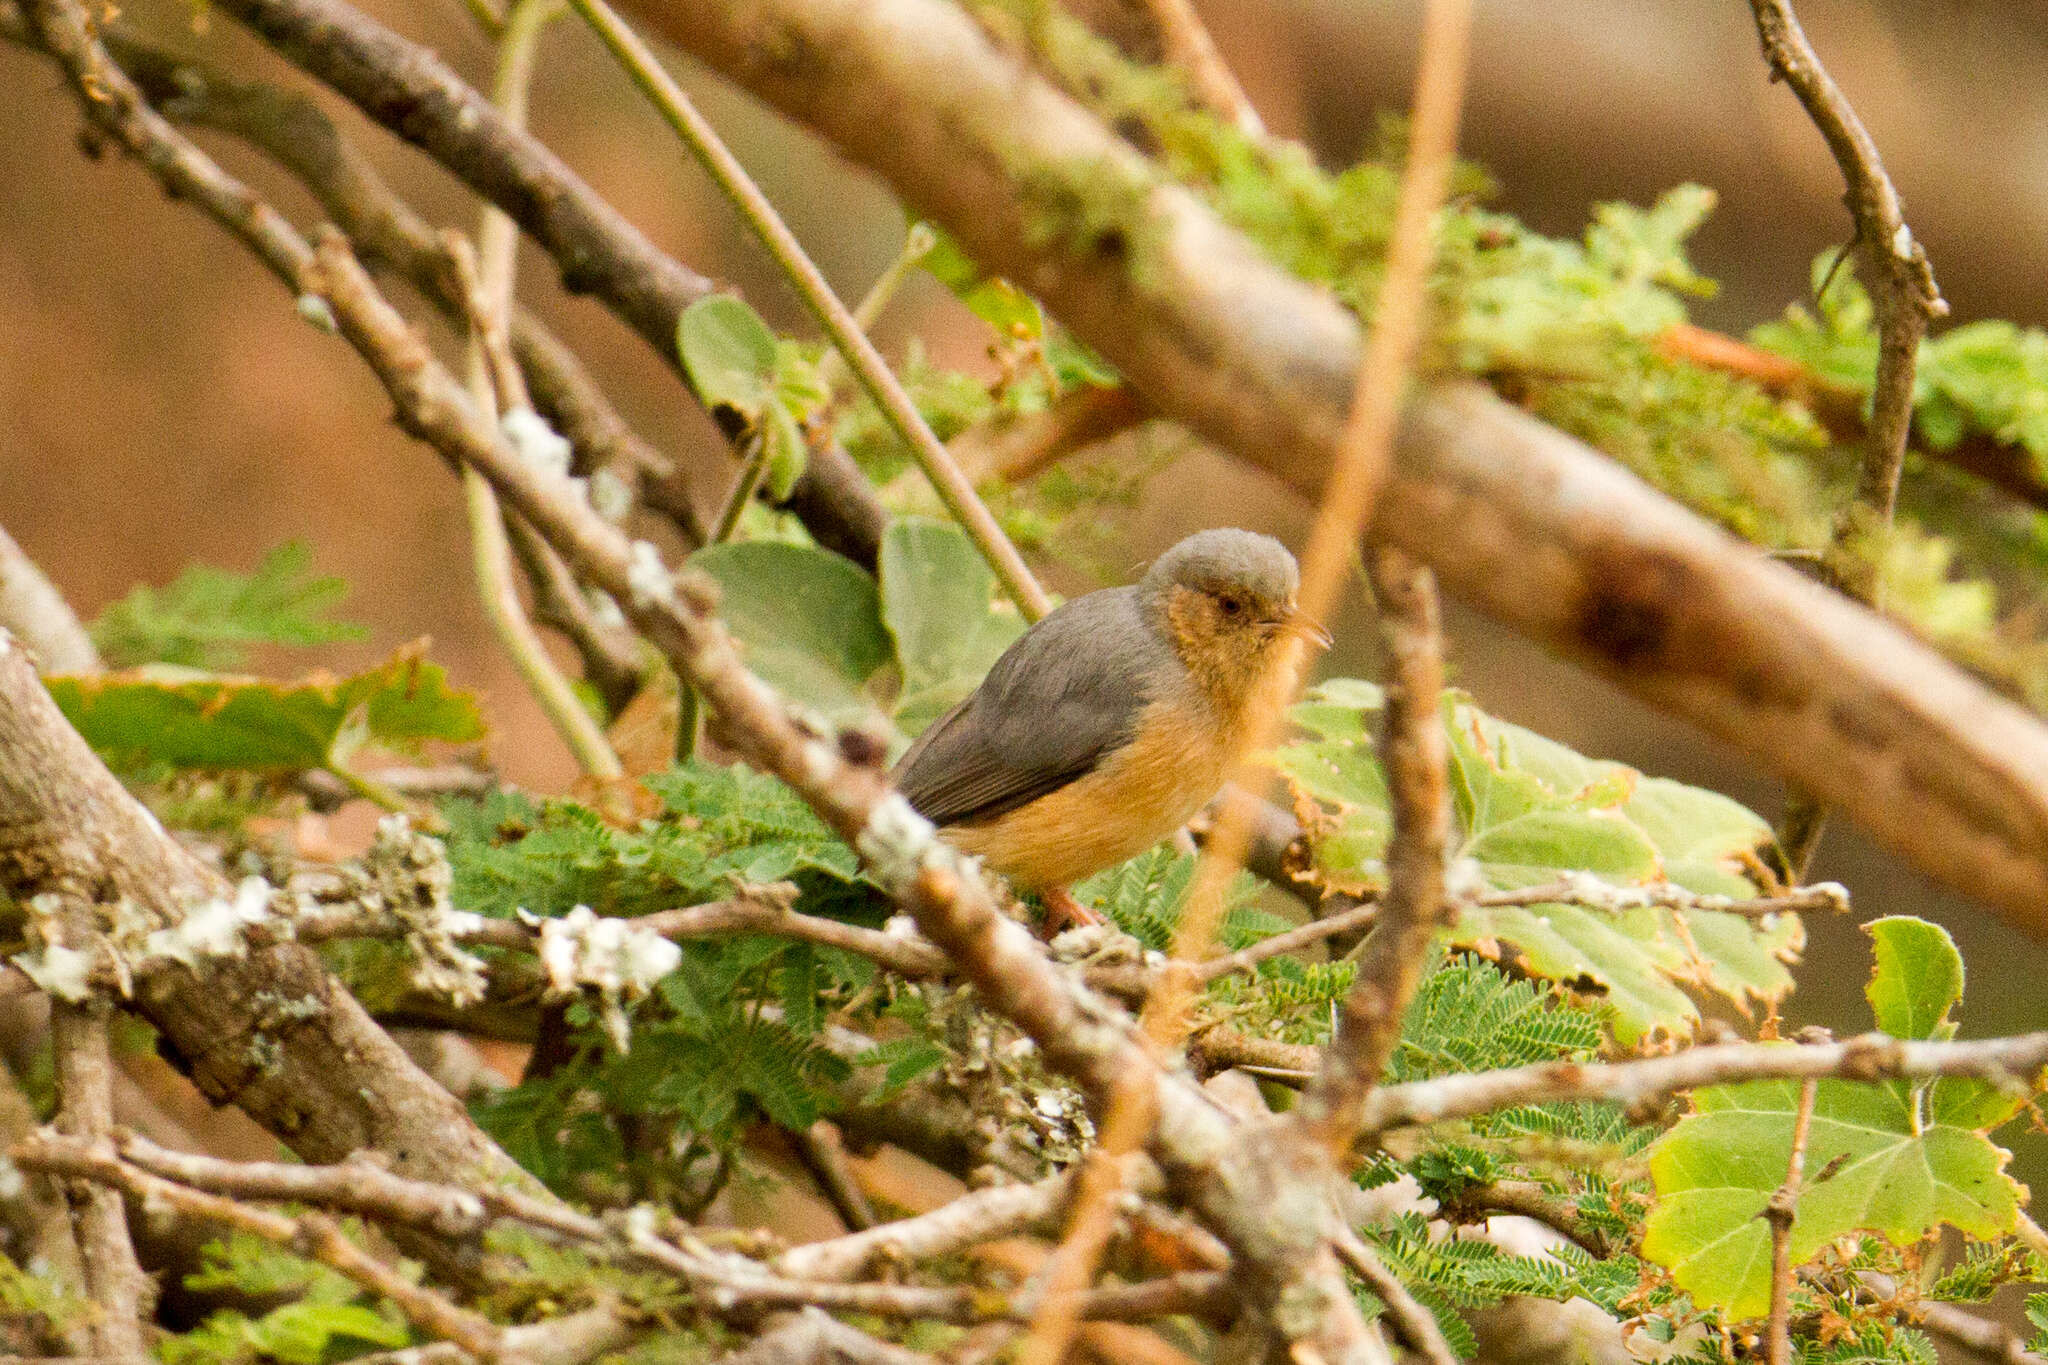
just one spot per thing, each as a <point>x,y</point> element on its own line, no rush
<point>1013,313</point>
<point>1530,810</point>
<point>208,617</point>
<point>187,719</point>
<point>811,623</point>
<point>1887,1170</point>
<point>729,354</point>
<point>1917,978</point>
<point>2037,1314</point>
<point>940,604</point>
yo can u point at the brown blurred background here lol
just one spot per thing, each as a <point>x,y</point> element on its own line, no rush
<point>161,402</point>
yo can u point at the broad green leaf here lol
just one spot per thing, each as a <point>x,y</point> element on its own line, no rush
<point>197,720</point>
<point>940,604</point>
<point>729,354</point>
<point>1529,810</point>
<point>208,617</point>
<point>1917,979</point>
<point>1887,1170</point>
<point>810,620</point>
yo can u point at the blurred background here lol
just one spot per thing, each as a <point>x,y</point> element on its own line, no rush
<point>161,402</point>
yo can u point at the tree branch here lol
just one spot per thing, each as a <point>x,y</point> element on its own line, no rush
<point>1518,519</point>
<point>1906,299</point>
<point>2015,1061</point>
<point>412,92</point>
<point>40,618</point>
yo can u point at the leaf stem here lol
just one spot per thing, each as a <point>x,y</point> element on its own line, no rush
<point>844,329</point>
<point>488,297</point>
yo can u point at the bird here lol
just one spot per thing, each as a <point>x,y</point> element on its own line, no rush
<point>1111,721</point>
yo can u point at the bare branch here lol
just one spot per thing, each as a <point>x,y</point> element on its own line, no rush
<point>1782,1211</point>
<point>37,613</point>
<point>121,1293</point>
<point>979,1216</point>
<point>1415,1321</point>
<point>1516,518</point>
<point>1413,751</point>
<point>2015,1061</point>
<point>312,1235</point>
<point>1189,47</point>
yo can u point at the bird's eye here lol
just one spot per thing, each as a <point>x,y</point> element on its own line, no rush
<point>1232,606</point>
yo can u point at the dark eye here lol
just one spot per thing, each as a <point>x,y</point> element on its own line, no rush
<point>1232,606</point>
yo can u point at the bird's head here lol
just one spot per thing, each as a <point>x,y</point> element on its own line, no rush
<point>1223,599</point>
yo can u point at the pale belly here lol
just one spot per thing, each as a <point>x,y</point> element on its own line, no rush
<point>1131,802</point>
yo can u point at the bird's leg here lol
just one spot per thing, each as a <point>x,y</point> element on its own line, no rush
<point>1063,912</point>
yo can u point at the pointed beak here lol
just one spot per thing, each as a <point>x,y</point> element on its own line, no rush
<point>1303,626</point>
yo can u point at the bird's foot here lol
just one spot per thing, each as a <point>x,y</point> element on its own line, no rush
<point>1063,912</point>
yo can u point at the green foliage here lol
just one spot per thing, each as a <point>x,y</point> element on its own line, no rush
<point>811,623</point>
<point>737,364</point>
<point>2037,1314</point>
<point>1531,811</point>
<point>26,1295</point>
<point>1143,898</point>
<point>888,655</point>
<point>1987,378</point>
<point>326,1320</point>
<point>1898,1159</point>
<point>161,714</point>
<point>940,605</point>
<point>208,618</point>
<point>730,1035</point>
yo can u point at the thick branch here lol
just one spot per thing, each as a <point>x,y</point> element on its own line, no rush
<point>270,1031</point>
<point>40,618</point>
<point>114,1280</point>
<point>1515,517</point>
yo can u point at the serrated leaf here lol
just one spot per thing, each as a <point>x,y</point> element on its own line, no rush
<point>729,354</point>
<point>811,623</point>
<point>1888,1173</point>
<point>207,617</point>
<point>1917,977</point>
<point>940,604</point>
<point>1530,809</point>
<point>187,719</point>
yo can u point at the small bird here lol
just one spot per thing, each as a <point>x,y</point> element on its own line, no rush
<point>1113,720</point>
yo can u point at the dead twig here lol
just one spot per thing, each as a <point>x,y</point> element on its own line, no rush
<point>1906,299</point>
<point>1781,1211</point>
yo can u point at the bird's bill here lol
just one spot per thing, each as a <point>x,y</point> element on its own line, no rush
<point>1301,625</point>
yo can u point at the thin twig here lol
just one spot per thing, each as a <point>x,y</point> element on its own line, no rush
<point>120,1291</point>
<point>311,1235</point>
<point>1189,47</point>
<point>973,1218</point>
<point>1417,1323</point>
<point>1363,456</point>
<point>824,1155</point>
<point>1782,1211</point>
<point>2016,1061</point>
<point>1414,752</point>
<point>839,324</point>
<point>1906,299</point>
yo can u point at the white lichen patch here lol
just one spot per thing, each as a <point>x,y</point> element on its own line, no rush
<point>617,958</point>
<point>64,972</point>
<point>405,877</point>
<point>1902,243</point>
<point>896,843</point>
<point>649,578</point>
<point>534,441</point>
<point>214,928</point>
<point>611,497</point>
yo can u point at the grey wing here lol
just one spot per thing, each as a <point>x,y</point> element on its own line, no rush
<point>1060,699</point>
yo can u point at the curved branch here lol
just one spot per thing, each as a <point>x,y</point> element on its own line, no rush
<point>1518,519</point>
